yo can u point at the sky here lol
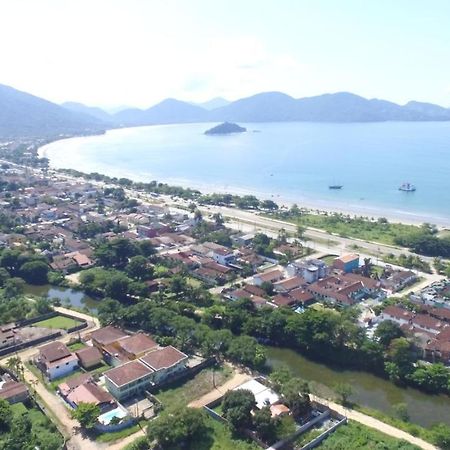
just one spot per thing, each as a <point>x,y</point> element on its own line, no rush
<point>137,52</point>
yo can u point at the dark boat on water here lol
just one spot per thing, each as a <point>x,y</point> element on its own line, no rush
<point>335,186</point>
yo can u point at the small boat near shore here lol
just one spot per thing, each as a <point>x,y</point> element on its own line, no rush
<point>407,187</point>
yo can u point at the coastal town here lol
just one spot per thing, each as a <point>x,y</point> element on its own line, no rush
<point>185,299</point>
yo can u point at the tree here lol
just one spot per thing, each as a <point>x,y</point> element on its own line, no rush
<point>280,376</point>
<point>218,219</point>
<point>117,285</point>
<point>14,287</point>
<point>344,390</point>
<point>20,437</point>
<point>138,268</point>
<point>296,396</point>
<point>86,414</point>
<point>264,424</point>
<point>400,354</point>
<point>267,287</point>
<point>300,232</point>
<point>175,431</point>
<point>237,407</point>
<point>245,350</point>
<point>35,272</point>
<point>5,415</point>
<point>387,331</point>
<point>401,411</point>
<point>269,205</point>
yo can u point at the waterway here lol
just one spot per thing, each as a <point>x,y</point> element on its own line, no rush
<point>67,296</point>
<point>368,390</point>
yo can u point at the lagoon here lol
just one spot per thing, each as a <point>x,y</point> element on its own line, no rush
<point>288,162</point>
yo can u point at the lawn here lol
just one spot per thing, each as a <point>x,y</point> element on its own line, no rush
<point>115,436</point>
<point>219,437</point>
<point>183,392</point>
<point>57,322</point>
<point>56,382</point>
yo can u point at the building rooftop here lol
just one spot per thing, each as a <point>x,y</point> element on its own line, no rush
<point>137,344</point>
<point>163,358</point>
<point>108,335</point>
<point>88,355</point>
<point>54,351</point>
<point>73,383</point>
<point>90,392</point>
<point>122,375</point>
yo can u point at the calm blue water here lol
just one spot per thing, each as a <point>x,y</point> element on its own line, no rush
<point>285,161</point>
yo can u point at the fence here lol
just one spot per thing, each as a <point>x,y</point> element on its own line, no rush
<point>315,442</point>
<point>116,427</point>
<point>31,343</point>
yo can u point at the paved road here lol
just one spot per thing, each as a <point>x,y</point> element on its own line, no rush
<point>376,424</point>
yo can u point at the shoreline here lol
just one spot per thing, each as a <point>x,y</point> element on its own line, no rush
<point>316,206</point>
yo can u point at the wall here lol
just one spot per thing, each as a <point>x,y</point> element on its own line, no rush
<point>315,442</point>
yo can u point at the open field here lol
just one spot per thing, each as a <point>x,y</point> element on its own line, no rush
<point>183,392</point>
<point>57,322</point>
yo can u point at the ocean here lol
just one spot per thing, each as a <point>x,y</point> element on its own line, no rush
<point>287,162</point>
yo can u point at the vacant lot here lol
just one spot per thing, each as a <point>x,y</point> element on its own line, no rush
<point>57,322</point>
<point>182,393</point>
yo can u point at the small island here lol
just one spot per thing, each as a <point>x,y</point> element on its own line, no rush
<point>226,128</point>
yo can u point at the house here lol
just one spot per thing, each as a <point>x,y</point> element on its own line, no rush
<point>89,357</point>
<point>129,379</point>
<point>90,392</point>
<point>11,390</point>
<point>243,240</point>
<point>271,276</point>
<point>165,362</point>
<point>106,335</point>
<point>347,263</point>
<point>302,296</point>
<point>341,289</point>
<point>129,348</point>
<point>264,396</point>
<point>396,314</point>
<point>289,284</point>
<point>55,360</point>
<point>221,254</point>
<point>66,387</point>
<point>398,280</point>
<point>284,299</point>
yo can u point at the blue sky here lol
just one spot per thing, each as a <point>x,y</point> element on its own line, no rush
<point>138,52</point>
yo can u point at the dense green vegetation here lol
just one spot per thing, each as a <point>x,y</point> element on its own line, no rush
<point>26,428</point>
<point>355,436</point>
<point>422,240</point>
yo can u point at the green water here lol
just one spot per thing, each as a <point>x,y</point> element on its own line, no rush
<point>368,390</point>
<point>67,296</point>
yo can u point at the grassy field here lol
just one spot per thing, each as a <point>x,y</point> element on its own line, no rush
<point>57,322</point>
<point>115,436</point>
<point>360,227</point>
<point>356,436</point>
<point>183,392</point>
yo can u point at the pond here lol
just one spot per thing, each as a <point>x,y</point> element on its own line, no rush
<point>67,296</point>
<point>368,390</point>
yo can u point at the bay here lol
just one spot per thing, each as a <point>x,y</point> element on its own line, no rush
<point>287,162</point>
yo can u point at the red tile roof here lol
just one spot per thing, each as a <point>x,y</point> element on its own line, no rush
<point>107,335</point>
<point>163,358</point>
<point>128,372</point>
<point>54,351</point>
<point>137,344</point>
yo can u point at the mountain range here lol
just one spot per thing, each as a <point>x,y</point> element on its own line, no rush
<point>23,114</point>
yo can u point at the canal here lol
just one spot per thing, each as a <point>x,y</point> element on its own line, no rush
<point>67,296</point>
<point>368,390</point>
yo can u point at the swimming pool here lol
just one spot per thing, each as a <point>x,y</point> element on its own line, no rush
<point>106,418</point>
